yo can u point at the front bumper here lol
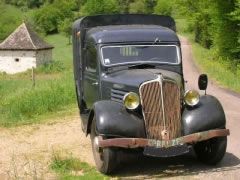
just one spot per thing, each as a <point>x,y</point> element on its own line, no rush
<point>141,142</point>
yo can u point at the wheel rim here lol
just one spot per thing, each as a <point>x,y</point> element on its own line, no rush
<point>97,153</point>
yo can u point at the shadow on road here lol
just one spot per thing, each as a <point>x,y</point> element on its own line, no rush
<point>175,166</point>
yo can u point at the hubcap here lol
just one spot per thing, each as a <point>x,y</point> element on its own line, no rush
<point>96,144</point>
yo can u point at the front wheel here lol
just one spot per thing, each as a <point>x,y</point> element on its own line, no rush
<point>211,151</point>
<point>106,158</point>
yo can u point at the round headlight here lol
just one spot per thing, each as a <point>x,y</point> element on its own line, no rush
<point>191,97</point>
<point>131,100</point>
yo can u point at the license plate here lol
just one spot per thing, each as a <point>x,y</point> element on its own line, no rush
<point>166,152</point>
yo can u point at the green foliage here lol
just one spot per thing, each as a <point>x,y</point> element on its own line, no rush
<point>223,71</point>
<point>72,168</point>
<point>138,6</point>
<point>10,18</point>
<point>124,5</point>
<point>52,67</point>
<point>214,23</point>
<point>224,30</point>
<point>93,7</point>
<point>163,7</point>
<point>25,3</point>
<point>49,17</point>
<point>150,5</point>
<point>236,18</point>
<point>142,6</point>
<point>65,27</point>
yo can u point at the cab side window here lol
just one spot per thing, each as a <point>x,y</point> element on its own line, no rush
<point>91,59</point>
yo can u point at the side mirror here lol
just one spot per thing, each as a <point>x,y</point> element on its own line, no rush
<point>203,82</point>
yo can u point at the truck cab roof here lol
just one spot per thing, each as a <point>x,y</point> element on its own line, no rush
<point>131,33</point>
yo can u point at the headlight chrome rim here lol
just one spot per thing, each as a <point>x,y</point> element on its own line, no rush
<point>131,105</point>
<point>195,95</point>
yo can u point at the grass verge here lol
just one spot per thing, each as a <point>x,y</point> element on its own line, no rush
<point>26,104</point>
<point>72,168</point>
<point>222,71</point>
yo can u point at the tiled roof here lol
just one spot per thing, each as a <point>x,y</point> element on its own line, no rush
<point>24,38</point>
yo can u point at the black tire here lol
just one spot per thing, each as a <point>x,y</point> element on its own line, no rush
<point>105,159</point>
<point>211,151</point>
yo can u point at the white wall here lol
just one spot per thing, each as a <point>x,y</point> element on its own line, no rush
<point>10,65</point>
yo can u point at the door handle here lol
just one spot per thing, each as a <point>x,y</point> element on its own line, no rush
<point>95,83</point>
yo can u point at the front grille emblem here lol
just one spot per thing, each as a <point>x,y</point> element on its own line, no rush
<point>165,134</point>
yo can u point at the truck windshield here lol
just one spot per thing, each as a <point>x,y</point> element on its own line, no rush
<point>131,54</point>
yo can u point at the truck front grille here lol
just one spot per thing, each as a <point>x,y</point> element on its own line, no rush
<point>161,106</point>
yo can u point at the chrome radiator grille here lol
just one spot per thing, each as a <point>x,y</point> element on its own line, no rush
<point>161,107</point>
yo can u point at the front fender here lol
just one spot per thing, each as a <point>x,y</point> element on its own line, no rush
<point>207,115</point>
<point>112,119</point>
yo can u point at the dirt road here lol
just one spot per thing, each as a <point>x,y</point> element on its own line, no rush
<point>25,152</point>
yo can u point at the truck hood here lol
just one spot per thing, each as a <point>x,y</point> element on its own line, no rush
<point>134,77</point>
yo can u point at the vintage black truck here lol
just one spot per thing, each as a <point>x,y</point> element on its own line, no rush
<point>131,94</point>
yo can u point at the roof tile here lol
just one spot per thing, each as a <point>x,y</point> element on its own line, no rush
<point>24,38</point>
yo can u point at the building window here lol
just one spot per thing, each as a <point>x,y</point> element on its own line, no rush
<point>17,59</point>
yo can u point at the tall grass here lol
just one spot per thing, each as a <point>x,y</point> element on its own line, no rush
<point>27,103</point>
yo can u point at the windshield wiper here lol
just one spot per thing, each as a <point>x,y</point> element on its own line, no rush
<point>141,65</point>
<point>116,69</point>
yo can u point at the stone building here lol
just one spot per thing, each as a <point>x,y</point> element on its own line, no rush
<point>22,50</point>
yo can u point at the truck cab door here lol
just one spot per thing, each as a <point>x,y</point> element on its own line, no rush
<point>91,77</point>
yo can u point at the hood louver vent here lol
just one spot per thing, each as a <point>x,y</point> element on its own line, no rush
<point>117,95</point>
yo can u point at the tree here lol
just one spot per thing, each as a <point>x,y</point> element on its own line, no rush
<point>215,24</point>
<point>65,27</point>
<point>138,6</point>
<point>92,7</point>
<point>34,3</point>
<point>49,17</point>
<point>163,7</point>
<point>224,29</point>
<point>236,18</point>
<point>124,5</point>
<point>150,5</point>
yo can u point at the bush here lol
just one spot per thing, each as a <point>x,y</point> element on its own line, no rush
<point>138,6</point>
<point>92,7</point>
<point>52,67</point>
<point>49,17</point>
<point>163,7</point>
